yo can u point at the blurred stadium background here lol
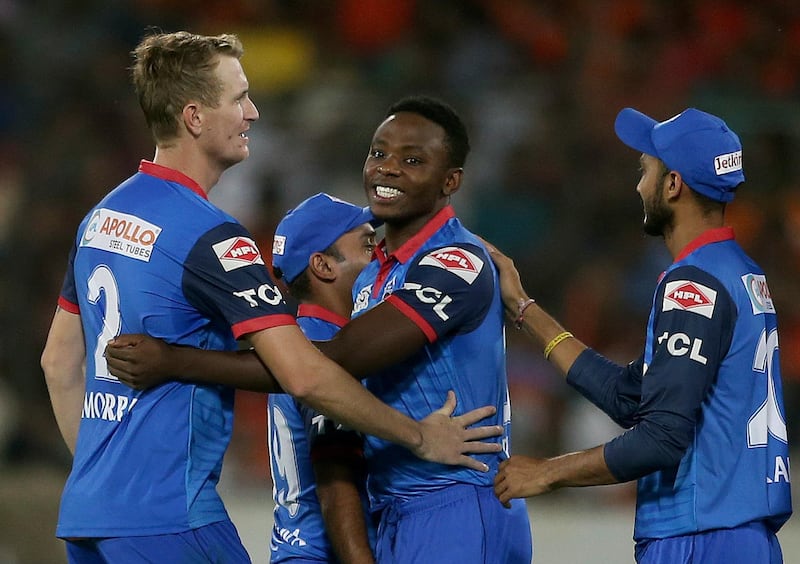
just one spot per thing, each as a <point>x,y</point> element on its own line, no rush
<point>538,82</point>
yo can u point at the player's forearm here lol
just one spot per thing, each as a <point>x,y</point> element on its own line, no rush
<point>577,469</point>
<point>237,369</point>
<point>343,513</point>
<point>549,335</point>
<point>305,373</point>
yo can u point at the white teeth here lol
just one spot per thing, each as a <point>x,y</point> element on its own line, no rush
<point>386,192</point>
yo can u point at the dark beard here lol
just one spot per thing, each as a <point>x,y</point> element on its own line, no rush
<point>658,217</point>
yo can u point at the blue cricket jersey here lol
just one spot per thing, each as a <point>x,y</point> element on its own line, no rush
<point>299,435</point>
<point>444,281</point>
<point>709,382</point>
<point>156,257</point>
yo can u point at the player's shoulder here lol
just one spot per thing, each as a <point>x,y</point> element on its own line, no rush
<point>466,259</point>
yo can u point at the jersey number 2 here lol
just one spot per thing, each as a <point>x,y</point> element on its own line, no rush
<point>101,282</point>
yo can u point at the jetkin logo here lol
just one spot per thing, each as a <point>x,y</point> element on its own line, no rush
<point>237,252</point>
<point>730,162</point>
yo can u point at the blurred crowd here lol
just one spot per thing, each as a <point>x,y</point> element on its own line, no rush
<point>538,83</point>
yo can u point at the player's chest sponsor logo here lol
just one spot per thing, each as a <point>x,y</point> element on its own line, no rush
<point>237,252</point>
<point>758,292</point>
<point>461,262</point>
<point>689,296</point>
<point>120,233</point>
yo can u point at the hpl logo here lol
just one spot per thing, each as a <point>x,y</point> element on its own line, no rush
<point>689,296</point>
<point>237,252</point>
<point>459,261</point>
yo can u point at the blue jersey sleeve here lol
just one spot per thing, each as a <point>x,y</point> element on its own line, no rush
<point>68,298</point>
<point>693,321</point>
<point>448,289</point>
<point>225,278</point>
<point>615,389</point>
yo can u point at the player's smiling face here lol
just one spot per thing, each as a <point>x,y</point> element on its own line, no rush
<point>407,173</point>
<point>225,127</point>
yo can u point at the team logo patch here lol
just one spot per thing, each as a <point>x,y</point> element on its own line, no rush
<point>460,262</point>
<point>758,292</point>
<point>120,233</point>
<point>278,245</point>
<point>237,252</point>
<point>689,296</point>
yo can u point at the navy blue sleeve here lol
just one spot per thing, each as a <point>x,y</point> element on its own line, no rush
<point>690,334</point>
<point>449,289</point>
<point>615,389</point>
<point>226,279</point>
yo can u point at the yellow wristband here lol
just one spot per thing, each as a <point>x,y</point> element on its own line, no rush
<point>554,343</point>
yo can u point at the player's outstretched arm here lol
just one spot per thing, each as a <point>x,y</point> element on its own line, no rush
<point>141,362</point>
<point>292,364</point>
<point>524,476</point>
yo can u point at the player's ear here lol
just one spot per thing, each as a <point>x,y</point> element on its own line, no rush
<point>453,181</point>
<point>192,118</point>
<point>674,184</point>
<point>321,266</point>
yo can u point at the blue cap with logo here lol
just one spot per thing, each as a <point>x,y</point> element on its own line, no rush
<point>700,146</point>
<point>311,227</point>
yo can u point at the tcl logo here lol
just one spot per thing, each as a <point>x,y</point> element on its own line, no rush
<point>680,344</point>
<point>267,293</point>
<point>430,295</point>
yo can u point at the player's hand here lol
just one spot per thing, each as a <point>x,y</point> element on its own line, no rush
<point>521,476</point>
<point>140,361</point>
<point>448,439</point>
<point>511,289</point>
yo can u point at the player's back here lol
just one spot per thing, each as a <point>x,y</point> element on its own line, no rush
<point>146,462</point>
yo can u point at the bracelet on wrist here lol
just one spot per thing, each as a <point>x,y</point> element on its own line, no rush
<point>554,343</point>
<point>521,307</point>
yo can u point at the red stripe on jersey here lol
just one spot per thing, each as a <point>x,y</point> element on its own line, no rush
<point>263,322</point>
<point>67,305</point>
<point>412,314</point>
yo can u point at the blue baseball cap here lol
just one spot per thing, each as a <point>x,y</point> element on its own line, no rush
<point>311,227</point>
<point>700,146</point>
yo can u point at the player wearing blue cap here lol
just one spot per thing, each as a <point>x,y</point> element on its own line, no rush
<point>704,407</point>
<point>154,256</point>
<point>318,468</point>
<point>428,318</point>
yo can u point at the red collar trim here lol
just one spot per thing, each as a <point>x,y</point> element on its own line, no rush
<point>413,245</point>
<point>171,175</point>
<point>706,238</point>
<point>319,312</point>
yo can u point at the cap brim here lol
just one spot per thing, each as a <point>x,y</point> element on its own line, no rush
<point>635,130</point>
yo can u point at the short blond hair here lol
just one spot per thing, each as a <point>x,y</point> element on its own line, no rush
<point>171,69</point>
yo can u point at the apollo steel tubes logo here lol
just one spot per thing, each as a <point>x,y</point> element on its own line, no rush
<point>120,233</point>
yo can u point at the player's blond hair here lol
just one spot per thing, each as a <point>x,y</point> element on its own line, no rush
<point>171,69</point>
